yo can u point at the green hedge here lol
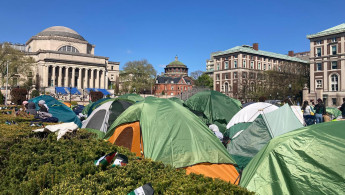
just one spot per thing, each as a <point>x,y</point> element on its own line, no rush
<point>32,163</point>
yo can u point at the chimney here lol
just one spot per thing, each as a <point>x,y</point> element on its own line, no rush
<point>291,53</point>
<point>256,46</point>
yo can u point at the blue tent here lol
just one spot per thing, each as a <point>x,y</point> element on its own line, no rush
<point>58,109</point>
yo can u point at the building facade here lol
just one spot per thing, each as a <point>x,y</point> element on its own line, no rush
<point>327,66</point>
<point>238,69</point>
<point>65,59</point>
<point>174,81</point>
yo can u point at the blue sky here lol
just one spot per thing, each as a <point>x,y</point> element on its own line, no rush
<point>157,30</point>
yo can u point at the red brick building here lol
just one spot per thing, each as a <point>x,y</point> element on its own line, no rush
<point>174,81</point>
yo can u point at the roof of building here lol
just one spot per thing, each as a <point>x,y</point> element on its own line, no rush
<point>334,30</point>
<point>176,63</point>
<point>164,79</point>
<point>250,50</point>
<point>60,31</point>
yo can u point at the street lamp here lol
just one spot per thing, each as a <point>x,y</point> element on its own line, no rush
<point>70,96</point>
<point>290,90</point>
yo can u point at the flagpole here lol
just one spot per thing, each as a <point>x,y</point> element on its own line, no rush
<point>6,82</point>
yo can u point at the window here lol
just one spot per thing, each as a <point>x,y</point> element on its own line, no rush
<point>171,93</point>
<point>217,77</point>
<point>68,48</point>
<point>244,75</point>
<point>235,75</point>
<point>252,57</point>
<point>334,101</point>
<point>318,83</point>
<point>172,87</point>
<point>244,64</point>
<point>226,65</point>
<point>264,66</point>
<point>235,56</point>
<point>318,66</point>
<point>269,66</point>
<point>218,66</point>
<point>235,63</point>
<point>334,39</point>
<point>244,56</point>
<point>29,49</point>
<point>251,75</point>
<point>226,58</point>
<point>318,42</point>
<point>251,64</point>
<point>279,68</point>
<point>334,49</point>
<point>318,52</point>
<point>334,82</point>
<point>52,82</point>
<point>259,65</point>
<point>226,76</point>
<point>334,65</point>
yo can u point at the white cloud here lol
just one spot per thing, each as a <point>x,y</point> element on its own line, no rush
<point>162,66</point>
<point>129,51</point>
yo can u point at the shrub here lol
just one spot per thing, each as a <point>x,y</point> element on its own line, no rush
<point>2,98</point>
<point>35,93</point>
<point>18,95</point>
<point>33,163</point>
<point>96,95</point>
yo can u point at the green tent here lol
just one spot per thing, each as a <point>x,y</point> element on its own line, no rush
<point>248,142</point>
<point>213,107</point>
<point>309,160</point>
<point>333,111</point>
<point>92,106</point>
<point>177,100</point>
<point>58,109</point>
<point>132,97</point>
<point>172,134</point>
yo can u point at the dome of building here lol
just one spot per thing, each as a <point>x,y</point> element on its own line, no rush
<point>60,31</point>
<point>176,63</point>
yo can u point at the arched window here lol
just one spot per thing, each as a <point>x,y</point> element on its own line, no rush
<point>226,87</point>
<point>68,48</point>
<point>334,82</point>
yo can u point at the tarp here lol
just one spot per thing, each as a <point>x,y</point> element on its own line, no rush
<point>57,109</point>
<point>249,113</point>
<point>61,90</point>
<point>173,134</point>
<point>213,107</point>
<point>131,96</point>
<point>73,91</point>
<point>265,127</point>
<point>309,160</point>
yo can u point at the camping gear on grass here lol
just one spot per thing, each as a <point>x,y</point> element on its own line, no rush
<point>309,160</point>
<point>163,130</point>
<point>60,129</point>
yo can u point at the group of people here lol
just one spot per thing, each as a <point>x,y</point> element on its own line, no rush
<point>317,113</point>
<point>42,113</point>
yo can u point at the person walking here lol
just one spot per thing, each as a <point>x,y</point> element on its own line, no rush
<point>320,110</point>
<point>307,110</point>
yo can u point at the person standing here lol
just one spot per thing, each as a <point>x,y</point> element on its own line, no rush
<point>342,109</point>
<point>320,110</point>
<point>308,118</point>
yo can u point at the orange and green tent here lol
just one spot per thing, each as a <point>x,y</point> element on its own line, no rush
<point>163,130</point>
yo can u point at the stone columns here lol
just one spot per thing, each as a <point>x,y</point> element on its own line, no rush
<point>53,76</point>
<point>92,80</point>
<point>102,79</point>
<point>341,80</point>
<point>106,80</point>
<point>60,77</point>
<point>45,76</point>
<point>79,78</point>
<point>97,79</point>
<point>86,78</point>
<point>66,77</point>
<point>73,77</point>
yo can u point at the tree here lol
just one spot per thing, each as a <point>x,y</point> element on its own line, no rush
<point>196,74</point>
<point>19,65</point>
<point>137,75</point>
<point>205,81</point>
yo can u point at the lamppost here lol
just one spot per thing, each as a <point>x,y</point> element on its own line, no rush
<point>290,90</point>
<point>6,82</point>
<point>70,96</point>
